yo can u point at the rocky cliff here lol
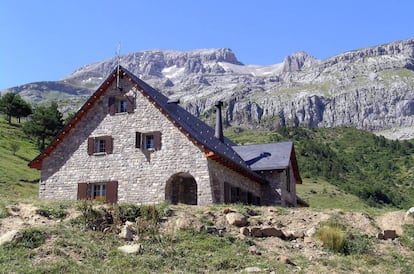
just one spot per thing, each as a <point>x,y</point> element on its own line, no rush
<point>371,88</point>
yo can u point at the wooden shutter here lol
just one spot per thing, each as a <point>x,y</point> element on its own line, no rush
<point>91,145</point>
<point>138,139</point>
<point>112,105</point>
<point>157,140</point>
<point>130,104</point>
<point>112,192</point>
<point>82,191</point>
<point>108,144</point>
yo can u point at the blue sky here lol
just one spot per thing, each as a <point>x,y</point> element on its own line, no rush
<point>47,40</point>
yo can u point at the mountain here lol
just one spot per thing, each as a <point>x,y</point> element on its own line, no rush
<point>370,88</point>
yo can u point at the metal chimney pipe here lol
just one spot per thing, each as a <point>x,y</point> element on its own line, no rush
<point>219,124</point>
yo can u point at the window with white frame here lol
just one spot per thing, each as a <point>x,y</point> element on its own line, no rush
<point>148,141</point>
<point>122,106</point>
<point>98,191</point>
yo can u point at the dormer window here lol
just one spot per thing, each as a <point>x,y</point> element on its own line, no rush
<point>121,104</point>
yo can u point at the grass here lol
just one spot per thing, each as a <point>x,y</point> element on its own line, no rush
<point>17,180</point>
<point>319,194</point>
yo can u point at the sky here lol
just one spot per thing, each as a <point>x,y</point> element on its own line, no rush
<point>46,40</point>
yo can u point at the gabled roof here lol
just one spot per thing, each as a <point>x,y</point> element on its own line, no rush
<point>272,156</point>
<point>197,131</point>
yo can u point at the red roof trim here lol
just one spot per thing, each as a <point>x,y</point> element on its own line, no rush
<point>37,162</point>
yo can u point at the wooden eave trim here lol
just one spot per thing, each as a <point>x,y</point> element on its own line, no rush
<point>37,162</point>
<point>233,166</point>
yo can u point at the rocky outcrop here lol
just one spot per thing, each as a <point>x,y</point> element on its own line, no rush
<point>370,88</point>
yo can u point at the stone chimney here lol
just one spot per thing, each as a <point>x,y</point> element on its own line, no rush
<point>219,124</point>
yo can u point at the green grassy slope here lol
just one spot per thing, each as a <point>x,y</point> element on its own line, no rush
<point>377,170</point>
<point>17,180</point>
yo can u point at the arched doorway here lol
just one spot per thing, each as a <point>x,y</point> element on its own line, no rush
<point>181,188</point>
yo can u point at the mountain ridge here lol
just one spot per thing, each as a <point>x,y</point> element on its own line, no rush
<point>369,88</point>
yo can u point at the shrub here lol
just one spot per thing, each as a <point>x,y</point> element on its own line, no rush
<point>94,218</point>
<point>332,237</point>
<point>126,212</point>
<point>407,239</point>
<point>53,211</point>
<point>357,244</point>
<point>30,238</point>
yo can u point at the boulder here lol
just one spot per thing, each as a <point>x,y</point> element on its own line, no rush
<point>256,231</point>
<point>254,251</point>
<point>244,231</point>
<point>269,231</point>
<point>409,217</point>
<point>126,233</point>
<point>389,234</point>
<point>253,269</point>
<point>8,236</point>
<point>131,249</point>
<point>285,260</point>
<point>236,219</point>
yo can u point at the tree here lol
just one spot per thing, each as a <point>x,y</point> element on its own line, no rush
<point>13,105</point>
<point>44,124</point>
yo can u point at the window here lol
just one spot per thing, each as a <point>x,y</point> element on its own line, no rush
<point>99,191</point>
<point>100,145</point>
<point>107,191</point>
<point>148,140</point>
<point>121,104</point>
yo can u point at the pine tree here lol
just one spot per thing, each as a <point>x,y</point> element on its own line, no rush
<point>45,123</point>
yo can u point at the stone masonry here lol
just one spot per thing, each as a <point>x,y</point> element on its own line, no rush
<point>141,175</point>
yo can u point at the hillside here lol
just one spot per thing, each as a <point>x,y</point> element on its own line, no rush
<point>81,237</point>
<point>17,180</point>
<point>377,170</point>
<point>86,238</point>
<point>369,88</point>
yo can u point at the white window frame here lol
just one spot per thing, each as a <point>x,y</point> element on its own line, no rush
<point>98,191</point>
<point>149,140</point>
<point>122,106</point>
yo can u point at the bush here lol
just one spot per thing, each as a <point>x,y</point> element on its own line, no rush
<point>56,211</point>
<point>30,238</point>
<point>357,244</point>
<point>126,212</point>
<point>407,239</point>
<point>94,218</point>
<point>332,237</point>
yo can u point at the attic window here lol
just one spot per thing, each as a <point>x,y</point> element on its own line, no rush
<point>148,141</point>
<point>121,104</point>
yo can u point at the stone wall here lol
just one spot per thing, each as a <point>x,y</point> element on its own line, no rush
<point>141,176</point>
<point>220,174</point>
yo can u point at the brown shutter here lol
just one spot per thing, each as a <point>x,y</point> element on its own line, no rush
<point>112,105</point>
<point>91,145</point>
<point>108,144</point>
<point>157,140</point>
<point>130,104</point>
<point>112,192</point>
<point>138,139</point>
<point>82,191</point>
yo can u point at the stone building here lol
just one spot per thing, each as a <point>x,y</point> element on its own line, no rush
<point>130,143</point>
